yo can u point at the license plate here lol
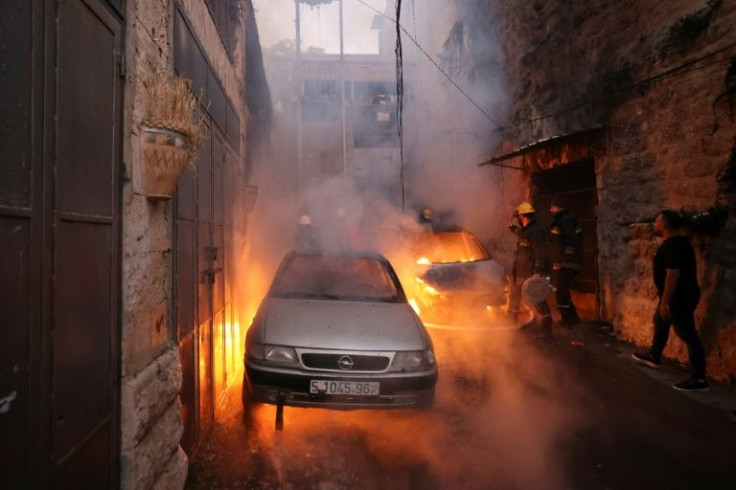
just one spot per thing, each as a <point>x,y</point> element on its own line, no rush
<point>344,388</point>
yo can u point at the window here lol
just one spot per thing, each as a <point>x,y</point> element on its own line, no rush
<point>226,14</point>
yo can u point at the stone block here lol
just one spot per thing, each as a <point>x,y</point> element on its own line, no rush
<point>148,394</point>
<point>175,474</point>
<point>143,464</point>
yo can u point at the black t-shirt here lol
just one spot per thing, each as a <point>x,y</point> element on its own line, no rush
<point>677,253</point>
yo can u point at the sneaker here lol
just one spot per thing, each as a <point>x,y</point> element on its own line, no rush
<point>646,359</point>
<point>692,384</point>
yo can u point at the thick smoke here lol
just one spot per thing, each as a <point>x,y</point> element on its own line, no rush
<point>491,427</point>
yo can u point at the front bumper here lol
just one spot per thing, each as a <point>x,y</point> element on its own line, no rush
<point>398,390</point>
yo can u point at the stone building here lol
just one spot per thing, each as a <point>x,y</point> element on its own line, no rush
<point>122,312</point>
<point>625,108</point>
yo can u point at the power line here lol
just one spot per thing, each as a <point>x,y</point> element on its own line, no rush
<point>400,28</point>
<point>677,70</point>
<point>400,98</point>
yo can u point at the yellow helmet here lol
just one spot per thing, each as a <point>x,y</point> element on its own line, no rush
<point>525,208</point>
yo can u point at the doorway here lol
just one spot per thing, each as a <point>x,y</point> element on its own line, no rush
<point>575,183</point>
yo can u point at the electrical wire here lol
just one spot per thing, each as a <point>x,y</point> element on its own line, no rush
<point>399,29</point>
<point>400,99</point>
<point>677,70</point>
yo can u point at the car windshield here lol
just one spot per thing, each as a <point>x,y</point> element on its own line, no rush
<point>443,247</point>
<point>323,277</point>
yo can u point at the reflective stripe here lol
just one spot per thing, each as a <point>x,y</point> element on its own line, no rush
<point>564,306</point>
<point>578,230</point>
<point>545,316</point>
<point>566,265</point>
<point>555,231</point>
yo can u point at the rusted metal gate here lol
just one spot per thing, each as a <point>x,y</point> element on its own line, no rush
<point>575,183</point>
<point>203,234</point>
<point>60,104</point>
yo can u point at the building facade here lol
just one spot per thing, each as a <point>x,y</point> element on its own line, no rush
<point>623,109</point>
<point>122,317</point>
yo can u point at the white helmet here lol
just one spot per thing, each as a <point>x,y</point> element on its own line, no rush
<point>305,220</point>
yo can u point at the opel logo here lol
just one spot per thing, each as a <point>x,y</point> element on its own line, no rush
<point>345,363</point>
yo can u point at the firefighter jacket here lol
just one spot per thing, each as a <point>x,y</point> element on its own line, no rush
<point>566,239</point>
<point>531,251</point>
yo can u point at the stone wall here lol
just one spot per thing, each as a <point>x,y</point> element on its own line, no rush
<point>660,78</point>
<point>151,422</point>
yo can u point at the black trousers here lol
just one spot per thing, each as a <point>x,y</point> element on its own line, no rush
<point>682,319</point>
<point>562,280</point>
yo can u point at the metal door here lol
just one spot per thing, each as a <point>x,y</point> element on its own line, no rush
<point>205,280</point>
<point>20,245</point>
<point>59,243</point>
<point>185,260</point>
<point>203,311</point>
<point>85,340</point>
<point>218,286</point>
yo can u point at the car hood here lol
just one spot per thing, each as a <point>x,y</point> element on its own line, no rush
<point>482,275</point>
<point>348,325</point>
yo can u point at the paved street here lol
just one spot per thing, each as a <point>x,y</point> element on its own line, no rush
<point>512,412</point>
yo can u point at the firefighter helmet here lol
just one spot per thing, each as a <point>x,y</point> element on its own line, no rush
<point>525,208</point>
<point>305,220</point>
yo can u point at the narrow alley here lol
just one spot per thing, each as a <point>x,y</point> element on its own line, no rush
<point>570,412</point>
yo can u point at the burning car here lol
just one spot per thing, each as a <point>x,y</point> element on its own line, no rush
<point>455,275</point>
<point>336,331</point>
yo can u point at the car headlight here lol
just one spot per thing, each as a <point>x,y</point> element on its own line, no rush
<point>280,354</point>
<point>255,352</point>
<point>413,360</point>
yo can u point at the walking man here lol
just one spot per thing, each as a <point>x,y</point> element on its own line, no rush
<point>567,258</point>
<point>530,259</point>
<point>675,276</point>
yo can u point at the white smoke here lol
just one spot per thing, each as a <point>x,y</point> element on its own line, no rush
<point>446,136</point>
<point>320,24</point>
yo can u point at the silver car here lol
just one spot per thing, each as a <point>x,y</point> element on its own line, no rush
<point>336,331</point>
<point>455,276</point>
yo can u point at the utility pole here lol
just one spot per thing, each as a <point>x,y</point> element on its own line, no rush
<point>342,96</point>
<point>298,85</point>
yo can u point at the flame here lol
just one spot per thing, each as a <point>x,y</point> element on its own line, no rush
<point>424,261</point>
<point>413,303</point>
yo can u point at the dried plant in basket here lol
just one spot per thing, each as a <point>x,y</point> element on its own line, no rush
<point>172,126</point>
<point>170,104</point>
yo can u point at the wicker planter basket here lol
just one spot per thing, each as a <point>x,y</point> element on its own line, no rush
<point>165,156</point>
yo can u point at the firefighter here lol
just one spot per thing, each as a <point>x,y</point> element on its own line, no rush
<point>530,259</point>
<point>566,238</point>
<point>307,237</point>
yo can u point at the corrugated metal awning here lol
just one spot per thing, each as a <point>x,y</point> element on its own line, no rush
<point>586,137</point>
